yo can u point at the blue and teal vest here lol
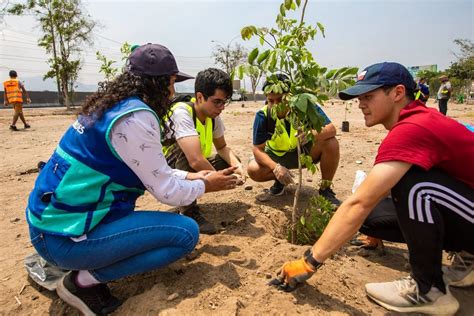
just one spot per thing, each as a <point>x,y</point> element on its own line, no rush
<point>85,182</point>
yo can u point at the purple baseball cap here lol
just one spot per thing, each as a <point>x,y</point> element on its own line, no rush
<point>154,60</point>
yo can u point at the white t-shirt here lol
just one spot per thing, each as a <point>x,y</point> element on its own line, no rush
<point>184,124</point>
<point>445,85</point>
<point>136,138</point>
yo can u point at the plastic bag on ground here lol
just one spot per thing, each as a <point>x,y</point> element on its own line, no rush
<point>359,178</point>
<point>42,272</point>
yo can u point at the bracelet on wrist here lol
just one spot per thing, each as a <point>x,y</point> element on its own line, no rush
<point>309,259</point>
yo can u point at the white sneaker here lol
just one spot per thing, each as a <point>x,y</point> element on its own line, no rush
<point>461,271</point>
<point>403,296</point>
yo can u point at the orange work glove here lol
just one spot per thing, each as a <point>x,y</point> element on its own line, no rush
<point>294,273</point>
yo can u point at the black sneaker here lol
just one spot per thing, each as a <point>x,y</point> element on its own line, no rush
<point>277,188</point>
<point>329,194</point>
<point>205,227</point>
<point>95,300</point>
<point>41,165</point>
<point>13,128</point>
<point>27,126</point>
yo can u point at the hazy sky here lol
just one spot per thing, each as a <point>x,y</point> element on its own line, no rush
<point>358,33</point>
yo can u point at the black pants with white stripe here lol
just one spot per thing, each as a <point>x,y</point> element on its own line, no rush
<point>434,212</point>
<point>382,222</point>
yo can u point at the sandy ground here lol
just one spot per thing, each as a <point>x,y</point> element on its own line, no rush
<point>229,271</point>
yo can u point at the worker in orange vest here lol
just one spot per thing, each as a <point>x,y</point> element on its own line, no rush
<point>13,95</point>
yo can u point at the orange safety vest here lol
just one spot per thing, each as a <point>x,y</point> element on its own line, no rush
<point>13,91</point>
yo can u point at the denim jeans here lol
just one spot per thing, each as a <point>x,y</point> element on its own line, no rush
<point>140,242</point>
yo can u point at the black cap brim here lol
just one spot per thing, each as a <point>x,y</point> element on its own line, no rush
<point>356,90</point>
<point>181,76</point>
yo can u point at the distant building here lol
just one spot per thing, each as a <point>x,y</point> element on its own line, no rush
<point>415,69</point>
<point>236,84</point>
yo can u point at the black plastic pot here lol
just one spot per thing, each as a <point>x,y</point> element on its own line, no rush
<point>345,126</point>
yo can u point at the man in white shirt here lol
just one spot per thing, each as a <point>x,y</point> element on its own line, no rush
<point>198,127</point>
<point>444,93</point>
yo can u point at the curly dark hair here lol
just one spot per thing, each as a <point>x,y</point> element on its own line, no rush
<point>152,90</point>
<point>208,80</point>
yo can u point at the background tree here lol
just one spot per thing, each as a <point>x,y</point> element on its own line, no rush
<point>228,57</point>
<point>66,28</point>
<point>107,68</point>
<point>255,75</point>
<point>461,72</point>
<point>284,51</point>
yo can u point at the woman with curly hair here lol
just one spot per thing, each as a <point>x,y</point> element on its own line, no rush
<point>81,211</point>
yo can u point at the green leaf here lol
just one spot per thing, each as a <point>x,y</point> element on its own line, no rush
<point>262,40</point>
<point>282,10</point>
<point>288,4</point>
<point>314,118</point>
<point>253,54</point>
<point>263,56</point>
<point>247,32</point>
<point>272,62</point>
<point>298,2</point>
<point>321,27</point>
<point>302,103</point>
<point>322,98</point>
<point>351,71</point>
<point>239,71</point>
<point>331,73</point>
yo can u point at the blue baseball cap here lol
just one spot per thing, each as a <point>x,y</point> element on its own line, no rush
<point>377,76</point>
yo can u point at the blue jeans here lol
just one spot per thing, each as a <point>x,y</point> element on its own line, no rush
<point>140,242</point>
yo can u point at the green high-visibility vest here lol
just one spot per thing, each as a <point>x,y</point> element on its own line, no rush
<point>204,130</point>
<point>417,95</point>
<point>281,142</point>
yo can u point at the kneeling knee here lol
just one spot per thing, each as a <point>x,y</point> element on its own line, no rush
<point>332,144</point>
<point>254,171</point>
<point>192,230</point>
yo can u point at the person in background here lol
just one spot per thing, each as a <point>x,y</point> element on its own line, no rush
<point>81,210</point>
<point>422,90</point>
<point>444,93</point>
<point>13,94</point>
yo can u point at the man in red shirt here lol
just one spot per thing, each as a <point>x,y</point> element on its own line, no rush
<point>425,162</point>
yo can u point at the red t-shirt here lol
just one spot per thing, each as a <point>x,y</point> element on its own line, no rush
<point>428,139</point>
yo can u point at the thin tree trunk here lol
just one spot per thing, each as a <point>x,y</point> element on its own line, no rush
<point>55,56</point>
<point>66,94</point>
<point>297,196</point>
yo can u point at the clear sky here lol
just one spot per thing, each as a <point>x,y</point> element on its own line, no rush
<point>358,33</point>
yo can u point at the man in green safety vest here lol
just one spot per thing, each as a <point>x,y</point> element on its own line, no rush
<point>275,152</point>
<point>198,127</point>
